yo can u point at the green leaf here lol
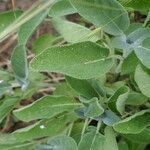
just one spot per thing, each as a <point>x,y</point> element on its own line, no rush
<point>83,87</point>
<point>134,124</point>
<point>46,107</point>
<point>136,4</point>
<point>143,55</point>
<point>142,137</point>
<point>132,41</point>
<point>7,106</point>
<point>65,89</point>
<point>43,42</point>
<point>6,18</point>
<point>61,142</point>
<point>142,79</point>
<point>127,68</point>
<point>73,32</point>
<point>94,109</point>
<point>5,88</point>
<point>91,141</point>
<point>62,8</point>
<point>109,118</point>
<point>27,29</point>
<point>110,139</point>
<point>117,101</point>
<point>43,128</point>
<point>108,15</point>
<point>136,99</point>
<point>123,145</point>
<point>82,60</point>
<point>19,146</point>
<point>20,65</point>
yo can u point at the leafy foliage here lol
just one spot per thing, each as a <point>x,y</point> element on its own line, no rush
<point>85,87</point>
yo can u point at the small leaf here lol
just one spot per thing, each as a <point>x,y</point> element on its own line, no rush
<point>110,139</point>
<point>46,107</point>
<point>91,141</point>
<point>73,32</point>
<point>134,124</point>
<point>43,42</point>
<point>109,118</point>
<point>83,87</point>
<point>142,79</point>
<point>117,101</point>
<point>7,106</point>
<point>82,60</point>
<point>108,15</point>
<point>94,109</point>
<point>62,8</point>
<point>20,64</point>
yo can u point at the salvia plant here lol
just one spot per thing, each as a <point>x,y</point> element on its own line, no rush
<point>95,71</point>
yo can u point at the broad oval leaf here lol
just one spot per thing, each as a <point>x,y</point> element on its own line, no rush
<point>142,79</point>
<point>82,60</point>
<point>46,107</point>
<point>108,15</point>
<point>133,124</point>
<point>73,32</point>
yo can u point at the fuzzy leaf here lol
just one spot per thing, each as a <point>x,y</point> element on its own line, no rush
<point>142,79</point>
<point>46,107</point>
<point>108,15</point>
<point>73,32</point>
<point>82,60</point>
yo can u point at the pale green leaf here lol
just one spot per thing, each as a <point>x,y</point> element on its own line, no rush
<point>136,4</point>
<point>110,139</point>
<point>142,79</point>
<point>7,106</point>
<point>92,141</point>
<point>43,42</point>
<point>73,32</point>
<point>6,18</point>
<point>19,64</point>
<point>62,8</point>
<point>82,60</point>
<point>108,15</point>
<point>46,107</point>
<point>143,55</point>
<point>134,124</point>
<point>27,29</point>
